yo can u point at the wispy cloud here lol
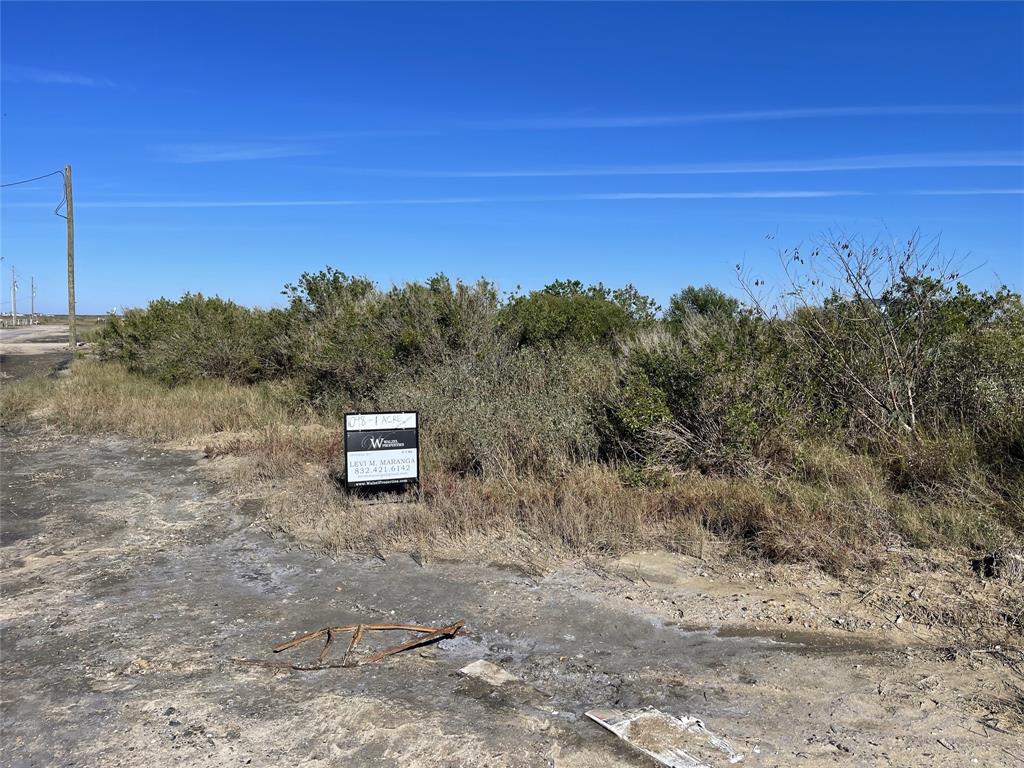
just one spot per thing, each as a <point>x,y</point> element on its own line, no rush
<point>955,192</point>
<point>15,73</point>
<point>478,200</point>
<point>362,133</point>
<point>234,151</point>
<point>309,144</point>
<point>468,200</point>
<point>756,195</point>
<point>1002,159</point>
<point>768,115</point>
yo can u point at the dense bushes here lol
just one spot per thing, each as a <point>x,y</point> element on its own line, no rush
<point>724,388</point>
<point>349,338</point>
<point>888,399</point>
<point>199,338</point>
<point>508,412</point>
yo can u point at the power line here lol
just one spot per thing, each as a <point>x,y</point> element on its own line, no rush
<point>37,178</point>
<point>64,199</point>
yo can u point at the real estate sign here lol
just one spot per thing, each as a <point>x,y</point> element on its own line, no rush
<point>382,449</point>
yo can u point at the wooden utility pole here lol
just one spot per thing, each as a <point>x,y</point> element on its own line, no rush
<point>71,258</point>
<point>14,299</point>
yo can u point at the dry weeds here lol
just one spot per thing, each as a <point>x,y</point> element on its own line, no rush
<point>833,511</point>
<point>106,398</point>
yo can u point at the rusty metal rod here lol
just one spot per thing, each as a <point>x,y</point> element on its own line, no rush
<point>350,628</point>
<point>437,634</point>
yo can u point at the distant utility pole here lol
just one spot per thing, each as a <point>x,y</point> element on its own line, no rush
<point>71,258</point>
<point>32,316</point>
<point>14,298</point>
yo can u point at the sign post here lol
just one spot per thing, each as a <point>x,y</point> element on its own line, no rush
<point>382,449</point>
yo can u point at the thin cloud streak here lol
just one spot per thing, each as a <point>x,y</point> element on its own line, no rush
<point>954,192</point>
<point>770,115</point>
<point>271,148</point>
<point>586,197</point>
<point>362,133</point>
<point>18,74</point>
<point>1007,159</point>
<point>235,151</point>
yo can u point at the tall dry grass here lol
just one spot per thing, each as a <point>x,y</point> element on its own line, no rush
<point>834,511</point>
<point>103,397</point>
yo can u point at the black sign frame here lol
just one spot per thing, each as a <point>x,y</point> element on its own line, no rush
<point>382,485</point>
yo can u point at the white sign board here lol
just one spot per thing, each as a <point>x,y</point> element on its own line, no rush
<point>382,449</point>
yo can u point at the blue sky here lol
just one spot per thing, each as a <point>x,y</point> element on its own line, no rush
<point>226,148</point>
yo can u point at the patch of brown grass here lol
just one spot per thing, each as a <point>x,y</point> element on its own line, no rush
<point>585,511</point>
<point>106,398</point>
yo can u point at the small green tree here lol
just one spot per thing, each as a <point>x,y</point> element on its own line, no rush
<point>568,311</point>
<point>705,301</point>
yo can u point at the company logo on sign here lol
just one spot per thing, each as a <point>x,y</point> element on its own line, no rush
<point>381,448</point>
<point>382,442</point>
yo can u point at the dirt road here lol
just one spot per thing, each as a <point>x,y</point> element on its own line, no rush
<point>129,582</point>
<point>29,349</point>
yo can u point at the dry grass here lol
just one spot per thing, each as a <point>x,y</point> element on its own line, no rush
<point>1005,710</point>
<point>833,509</point>
<point>584,511</point>
<point>105,398</point>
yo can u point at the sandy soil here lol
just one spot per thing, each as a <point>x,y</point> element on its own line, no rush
<point>130,580</point>
<point>26,350</point>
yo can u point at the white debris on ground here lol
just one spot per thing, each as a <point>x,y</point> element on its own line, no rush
<point>490,673</point>
<point>672,741</point>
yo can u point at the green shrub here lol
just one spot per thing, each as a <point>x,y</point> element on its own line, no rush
<point>887,403</point>
<point>566,311</point>
<point>350,337</point>
<point>722,387</point>
<point>196,338</point>
<point>706,301</point>
<point>642,406</point>
<point>506,412</point>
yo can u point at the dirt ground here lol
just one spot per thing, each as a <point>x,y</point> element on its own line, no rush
<point>131,579</point>
<point>30,349</point>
